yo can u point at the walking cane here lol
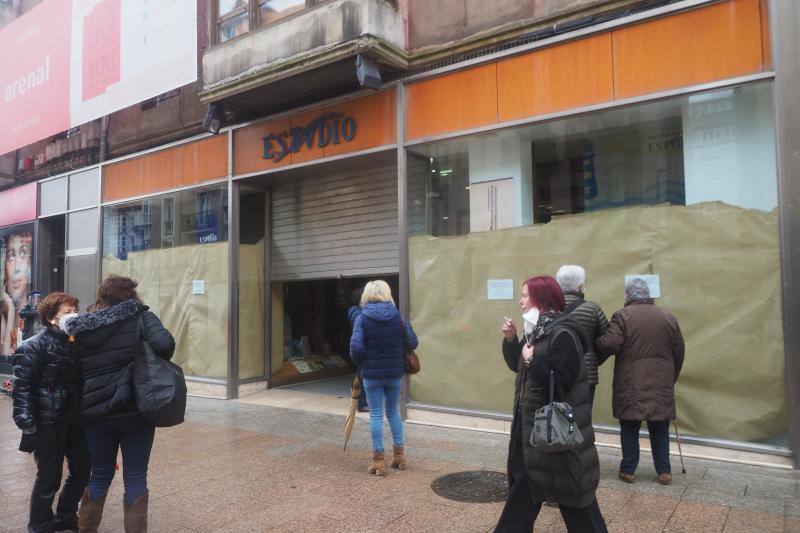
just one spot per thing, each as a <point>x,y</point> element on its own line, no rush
<point>678,440</point>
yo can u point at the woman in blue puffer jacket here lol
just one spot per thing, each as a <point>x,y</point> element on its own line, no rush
<point>377,347</point>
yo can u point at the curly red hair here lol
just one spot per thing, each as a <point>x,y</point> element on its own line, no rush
<point>49,306</point>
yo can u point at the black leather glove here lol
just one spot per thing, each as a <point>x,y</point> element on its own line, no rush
<point>28,442</point>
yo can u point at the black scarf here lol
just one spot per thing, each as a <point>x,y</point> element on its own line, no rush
<point>545,319</point>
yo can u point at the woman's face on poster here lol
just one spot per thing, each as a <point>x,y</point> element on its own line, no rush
<point>18,266</point>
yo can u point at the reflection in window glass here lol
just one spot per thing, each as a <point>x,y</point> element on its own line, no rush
<point>175,220</point>
<point>271,10</point>
<point>226,6</point>
<point>683,189</point>
<point>708,147</point>
<point>175,246</point>
<point>234,26</point>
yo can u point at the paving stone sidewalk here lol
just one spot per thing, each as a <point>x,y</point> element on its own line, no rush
<point>238,467</point>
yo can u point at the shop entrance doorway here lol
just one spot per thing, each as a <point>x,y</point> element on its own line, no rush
<point>316,327</point>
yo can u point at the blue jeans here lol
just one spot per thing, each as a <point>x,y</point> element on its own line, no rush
<point>659,444</point>
<point>135,436</point>
<point>377,390</point>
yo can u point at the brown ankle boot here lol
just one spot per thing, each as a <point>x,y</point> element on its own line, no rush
<point>377,466</point>
<point>90,513</point>
<point>399,459</point>
<point>136,515</point>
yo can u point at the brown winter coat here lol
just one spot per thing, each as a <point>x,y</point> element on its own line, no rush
<point>649,350</point>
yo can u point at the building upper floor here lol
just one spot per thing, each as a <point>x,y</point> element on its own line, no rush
<point>246,59</point>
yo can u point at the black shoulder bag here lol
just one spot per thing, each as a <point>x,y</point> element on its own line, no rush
<point>158,384</point>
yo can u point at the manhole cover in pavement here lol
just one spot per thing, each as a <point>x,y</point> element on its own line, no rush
<point>476,487</point>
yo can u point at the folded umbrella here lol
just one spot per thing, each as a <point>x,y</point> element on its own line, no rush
<point>355,392</point>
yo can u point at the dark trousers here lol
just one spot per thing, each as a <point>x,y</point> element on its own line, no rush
<point>520,511</point>
<point>54,442</point>
<point>659,443</point>
<point>134,435</point>
<point>592,388</point>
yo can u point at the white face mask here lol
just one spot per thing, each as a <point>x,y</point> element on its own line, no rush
<point>531,317</point>
<point>62,320</point>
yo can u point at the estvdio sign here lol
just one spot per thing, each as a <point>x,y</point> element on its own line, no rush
<point>67,62</point>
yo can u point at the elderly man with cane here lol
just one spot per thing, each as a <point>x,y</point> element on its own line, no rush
<point>649,352</point>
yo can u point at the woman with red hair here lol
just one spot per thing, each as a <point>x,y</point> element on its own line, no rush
<point>551,342</point>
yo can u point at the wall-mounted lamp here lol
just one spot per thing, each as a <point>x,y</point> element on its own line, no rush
<point>212,120</point>
<point>368,74</point>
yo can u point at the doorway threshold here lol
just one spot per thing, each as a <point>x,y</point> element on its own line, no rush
<point>330,395</point>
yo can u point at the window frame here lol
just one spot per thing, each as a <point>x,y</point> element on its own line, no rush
<point>252,9</point>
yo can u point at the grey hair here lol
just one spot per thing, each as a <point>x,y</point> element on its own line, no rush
<point>636,289</point>
<point>571,277</point>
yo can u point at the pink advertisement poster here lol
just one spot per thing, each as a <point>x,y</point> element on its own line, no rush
<point>101,48</point>
<point>35,75</point>
<point>67,62</point>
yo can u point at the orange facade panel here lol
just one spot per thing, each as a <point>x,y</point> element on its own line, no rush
<point>765,35</point>
<point>712,43</point>
<point>453,102</point>
<point>180,166</point>
<point>376,122</point>
<point>352,126</point>
<point>248,146</point>
<point>575,74</point>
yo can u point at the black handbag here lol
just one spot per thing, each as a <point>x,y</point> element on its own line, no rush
<point>158,385</point>
<point>554,426</point>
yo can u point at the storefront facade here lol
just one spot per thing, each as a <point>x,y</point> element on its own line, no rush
<point>594,148</point>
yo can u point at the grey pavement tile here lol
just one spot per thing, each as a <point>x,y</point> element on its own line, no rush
<point>240,467</point>
<point>700,517</point>
<point>643,512</point>
<point>747,521</point>
<point>771,487</point>
<point>732,487</point>
<point>768,505</point>
<point>791,507</point>
<point>720,469</point>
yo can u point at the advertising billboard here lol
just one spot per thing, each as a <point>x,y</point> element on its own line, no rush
<point>16,266</point>
<point>110,54</point>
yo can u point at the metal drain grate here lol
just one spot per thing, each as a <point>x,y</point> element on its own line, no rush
<point>482,486</point>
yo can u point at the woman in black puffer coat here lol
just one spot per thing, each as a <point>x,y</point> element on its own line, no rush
<point>554,342</point>
<point>107,341</point>
<point>47,401</point>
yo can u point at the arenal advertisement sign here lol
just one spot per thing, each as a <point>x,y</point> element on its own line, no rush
<point>67,62</point>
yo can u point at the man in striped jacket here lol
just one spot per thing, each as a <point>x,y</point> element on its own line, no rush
<point>572,279</point>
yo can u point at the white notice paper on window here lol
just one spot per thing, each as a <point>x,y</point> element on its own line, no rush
<point>653,283</point>
<point>199,286</point>
<point>500,289</point>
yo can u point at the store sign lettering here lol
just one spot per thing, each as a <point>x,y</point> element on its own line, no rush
<point>330,128</point>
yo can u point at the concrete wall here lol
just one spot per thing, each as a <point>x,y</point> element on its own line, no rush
<point>467,19</point>
<point>329,24</point>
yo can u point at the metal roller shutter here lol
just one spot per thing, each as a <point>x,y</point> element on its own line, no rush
<point>339,225</point>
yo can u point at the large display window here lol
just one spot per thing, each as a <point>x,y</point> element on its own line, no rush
<point>16,260</point>
<point>175,246</point>
<point>684,189</point>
